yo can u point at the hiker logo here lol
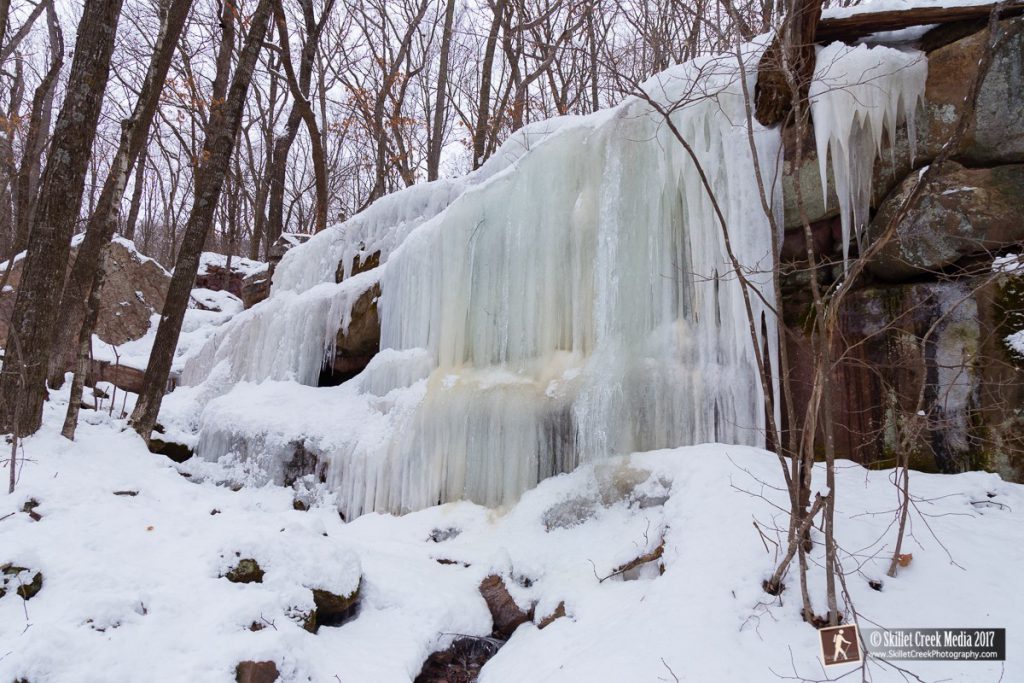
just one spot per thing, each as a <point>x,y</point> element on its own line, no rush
<point>839,644</point>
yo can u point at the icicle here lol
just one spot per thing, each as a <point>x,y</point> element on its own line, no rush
<point>859,94</point>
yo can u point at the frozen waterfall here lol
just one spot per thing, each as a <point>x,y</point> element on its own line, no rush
<point>571,299</point>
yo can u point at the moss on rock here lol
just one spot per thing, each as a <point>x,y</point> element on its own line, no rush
<point>246,571</point>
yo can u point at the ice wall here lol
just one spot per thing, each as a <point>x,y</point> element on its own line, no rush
<point>570,300</point>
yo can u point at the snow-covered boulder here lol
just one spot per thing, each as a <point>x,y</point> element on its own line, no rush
<point>247,279</point>
<point>133,290</point>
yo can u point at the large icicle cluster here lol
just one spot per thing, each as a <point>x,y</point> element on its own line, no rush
<point>571,299</point>
<point>858,97</point>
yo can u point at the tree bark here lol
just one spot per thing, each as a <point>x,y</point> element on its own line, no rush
<point>36,307</point>
<point>8,171</point>
<point>480,132</point>
<point>136,203</point>
<point>278,169</point>
<point>5,13</point>
<point>278,166</point>
<point>595,103</point>
<point>437,132</point>
<point>27,181</point>
<point>82,361</point>
<point>790,53</point>
<point>299,87</point>
<point>222,132</point>
<point>85,273</point>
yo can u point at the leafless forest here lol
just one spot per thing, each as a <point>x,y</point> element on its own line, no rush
<point>349,100</point>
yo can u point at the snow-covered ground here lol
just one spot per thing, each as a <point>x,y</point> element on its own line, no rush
<point>132,552</point>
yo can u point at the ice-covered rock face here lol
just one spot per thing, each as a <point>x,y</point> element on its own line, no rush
<point>572,299</point>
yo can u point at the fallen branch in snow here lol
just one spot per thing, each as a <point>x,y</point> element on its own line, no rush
<point>670,671</point>
<point>636,562</point>
<point>987,503</point>
<point>764,539</point>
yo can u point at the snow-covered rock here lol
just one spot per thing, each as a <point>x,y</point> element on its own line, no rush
<point>133,291</point>
<point>246,279</point>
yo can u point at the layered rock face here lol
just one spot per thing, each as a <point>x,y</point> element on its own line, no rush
<point>357,344</point>
<point>926,329</point>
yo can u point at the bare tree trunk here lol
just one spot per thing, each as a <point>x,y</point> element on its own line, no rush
<point>5,13</point>
<point>791,55</point>
<point>35,310</point>
<point>136,203</point>
<point>27,182</point>
<point>103,221</point>
<point>259,224</point>
<point>223,126</point>
<point>300,93</point>
<point>278,171</point>
<point>440,108</point>
<point>19,378</point>
<point>8,171</point>
<point>301,111</point>
<point>483,122</point>
<point>13,462</point>
<point>595,103</point>
<point>219,90</point>
<point>82,359</point>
